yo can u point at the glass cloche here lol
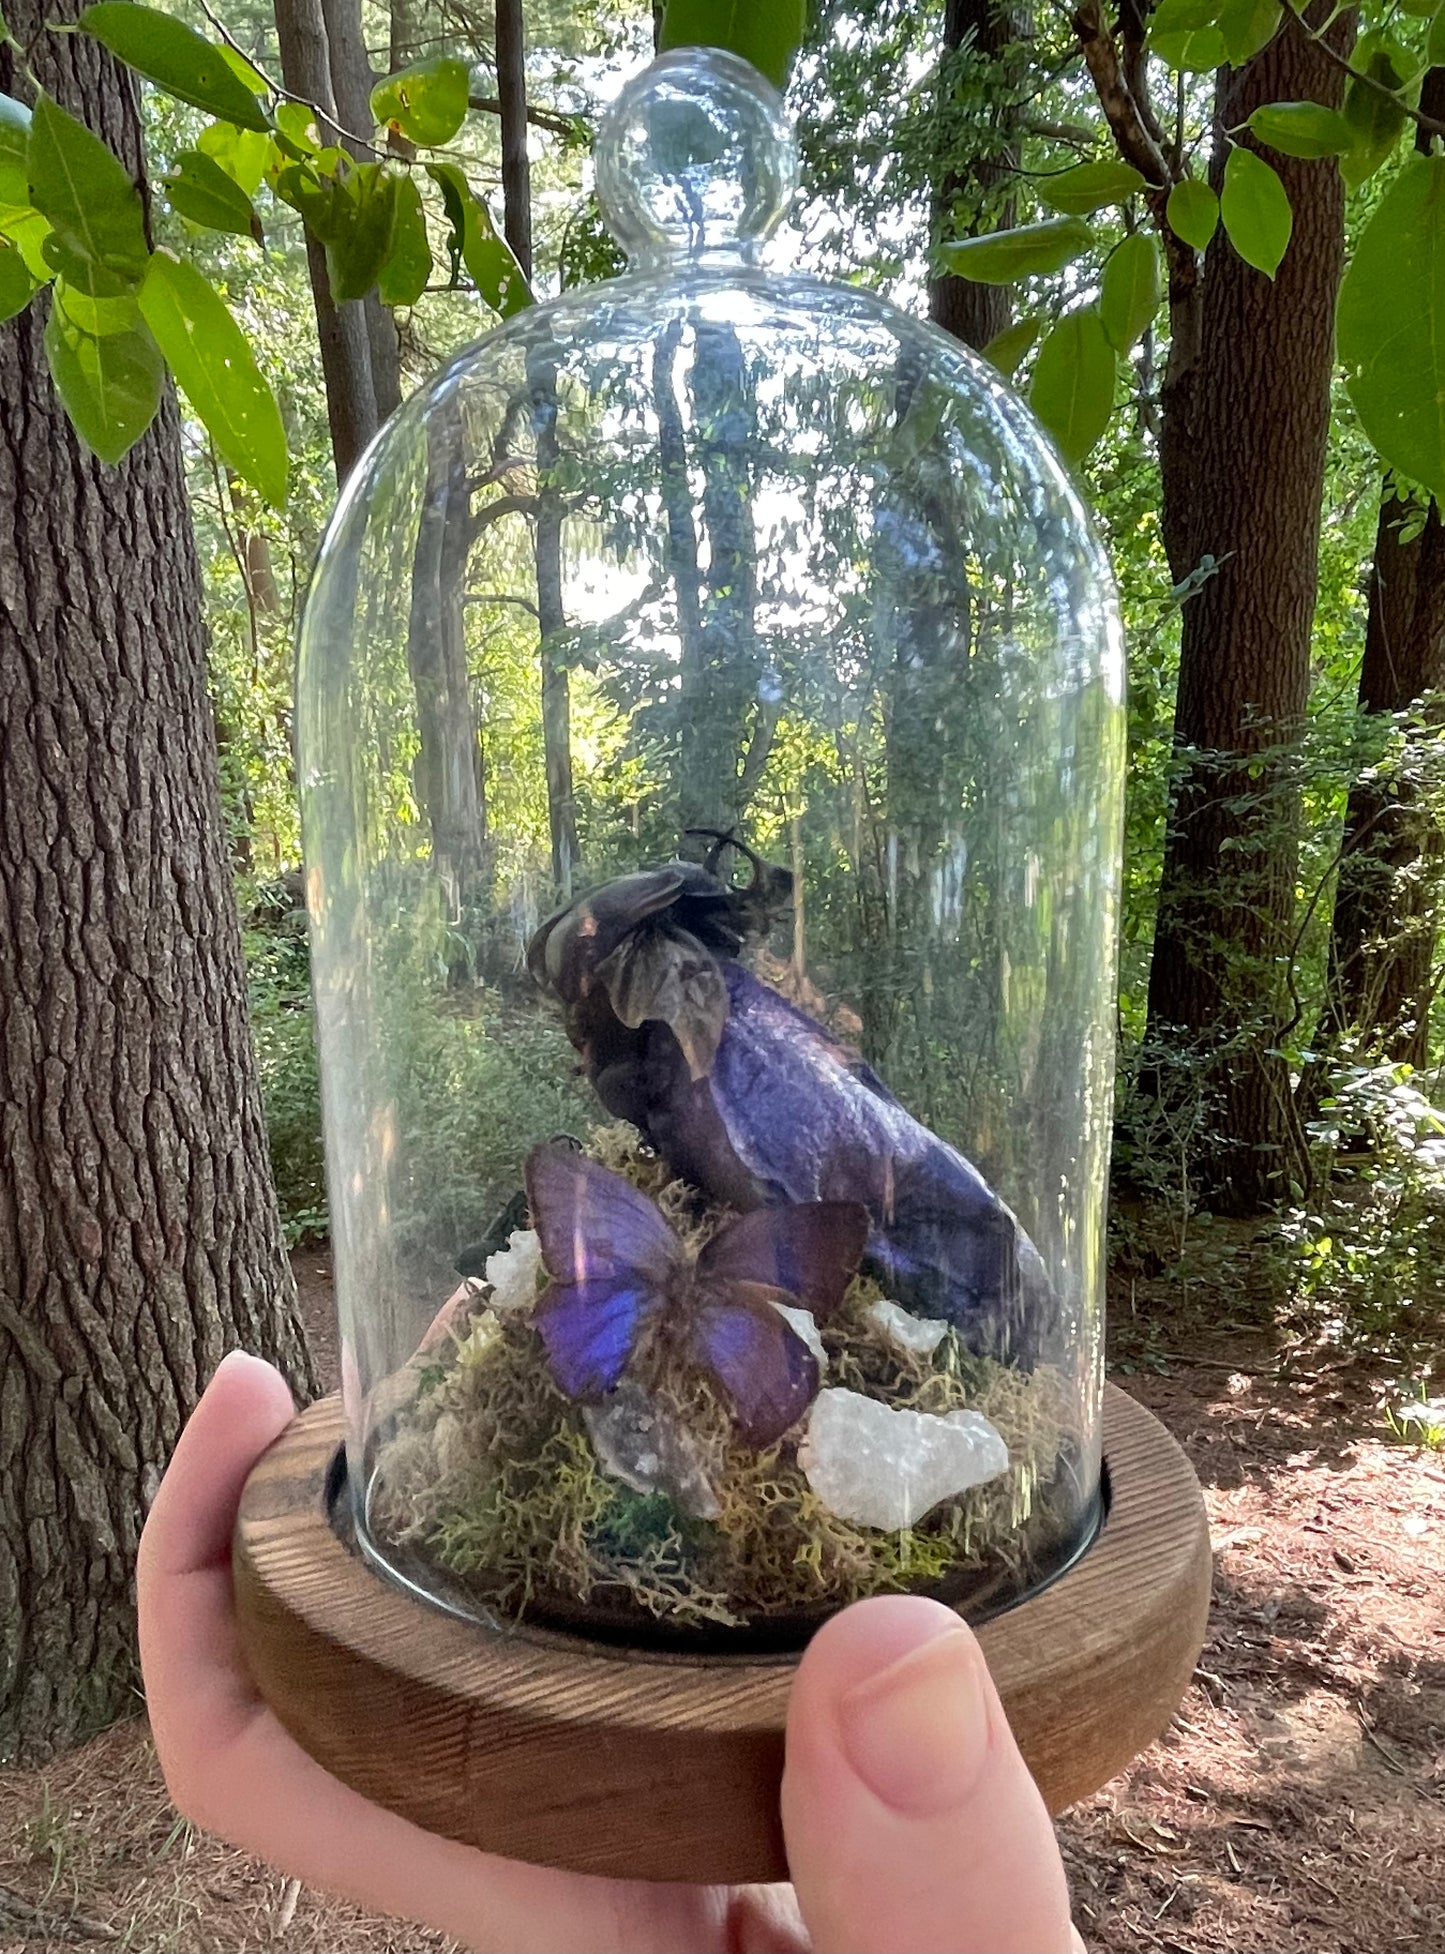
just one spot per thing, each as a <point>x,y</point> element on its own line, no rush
<point>711,739</point>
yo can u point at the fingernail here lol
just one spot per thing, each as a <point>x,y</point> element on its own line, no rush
<point>916,1733</point>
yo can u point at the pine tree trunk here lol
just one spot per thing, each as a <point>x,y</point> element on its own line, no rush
<point>1256,439</point>
<point>139,1237</point>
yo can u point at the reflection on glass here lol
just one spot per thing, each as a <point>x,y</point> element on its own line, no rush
<point>711,740</point>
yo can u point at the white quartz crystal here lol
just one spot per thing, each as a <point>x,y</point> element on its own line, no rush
<point>807,1329</point>
<point>512,1271</point>
<point>884,1468</point>
<point>920,1334</point>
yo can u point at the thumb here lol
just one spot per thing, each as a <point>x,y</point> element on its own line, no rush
<point>912,1824</point>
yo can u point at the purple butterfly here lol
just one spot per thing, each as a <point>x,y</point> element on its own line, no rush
<point>620,1275</point>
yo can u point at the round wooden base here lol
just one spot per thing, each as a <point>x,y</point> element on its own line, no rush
<point>660,1766</point>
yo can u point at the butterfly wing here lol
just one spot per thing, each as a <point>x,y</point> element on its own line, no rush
<point>590,1330</point>
<point>811,1249</point>
<point>762,1365</point>
<point>595,1226</point>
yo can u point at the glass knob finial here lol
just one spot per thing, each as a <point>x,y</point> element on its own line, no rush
<point>696,157</point>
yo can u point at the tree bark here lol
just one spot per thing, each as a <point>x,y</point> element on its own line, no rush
<point>449,776</point>
<point>351,83</point>
<point>512,103</point>
<point>552,625</point>
<point>1382,938</point>
<point>547,533</point>
<point>966,198</point>
<point>139,1236</point>
<point>726,719</point>
<point>343,331</point>
<point>1117,59</point>
<point>1256,436</point>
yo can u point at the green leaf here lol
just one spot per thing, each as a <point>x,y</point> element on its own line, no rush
<point>242,153</point>
<point>404,276</point>
<point>14,141</point>
<point>768,34</point>
<point>175,58</point>
<point>87,195</point>
<point>1305,129</point>
<point>1186,34</point>
<point>30,233</point>
<point>110,387</point>
<point>476,242</point>
<point>1007,350</point>
<point>1391,325</point>
<point>1073,388</point>
<point>1003,256</point>
<point>1374,120</point>
<point>298,184</point>
<point>1435,45</point>
<point>1421,9</point>
<point>426,102</point>
<point>1187,16</point>
<point>1089,187</point>
<point>95,308</point>
<point>84,274</point>
<point>201,190</point>
<point>251,78</point>
<point>296,130</point>
<point>1248,27</point>
<point>1129,297</point>
<point>362,227</point>
<point>217,372</point>
<point>1193,212</point>
<point>17,285</point>
<point>1254,206</point>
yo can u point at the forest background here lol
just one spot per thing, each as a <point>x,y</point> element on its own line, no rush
<point>1206,239</point>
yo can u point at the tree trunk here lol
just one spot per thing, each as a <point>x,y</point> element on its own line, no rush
<point>351,84</point>
<point>967,196</point>
<point>547,535</point>
<point>1382,937</point>
<point>726,717</point>
<point>139,1237</point>
<point>512,101</point>
<point>449,777</point>
<point>1257,434</point>
<point>552,625</point>
<point>343,330</point>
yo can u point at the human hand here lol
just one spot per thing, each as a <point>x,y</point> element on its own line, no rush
<point>911,1821</point>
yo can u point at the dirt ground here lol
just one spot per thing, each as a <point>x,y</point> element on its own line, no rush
<point>1295,1806</point>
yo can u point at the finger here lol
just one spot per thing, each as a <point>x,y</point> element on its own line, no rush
<point>234,1770</point>
<point>912,1824</point>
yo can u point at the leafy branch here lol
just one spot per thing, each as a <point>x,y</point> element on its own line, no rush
<point>122,314</point>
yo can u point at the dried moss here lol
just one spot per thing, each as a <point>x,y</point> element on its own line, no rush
<point>491,1477</point>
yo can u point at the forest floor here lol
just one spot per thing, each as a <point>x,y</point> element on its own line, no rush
<point>1295,1806</point>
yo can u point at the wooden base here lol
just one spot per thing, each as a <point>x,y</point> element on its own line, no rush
<point>659,1766</point>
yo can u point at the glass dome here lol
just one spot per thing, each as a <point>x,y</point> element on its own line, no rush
<point>711,739</point>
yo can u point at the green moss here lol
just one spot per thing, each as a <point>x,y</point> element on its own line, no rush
<point>491,1477</point>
